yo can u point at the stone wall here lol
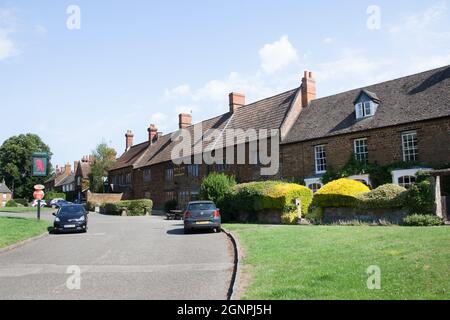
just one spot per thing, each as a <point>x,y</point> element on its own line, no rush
<point>104,197</point>
<point>336,215</point>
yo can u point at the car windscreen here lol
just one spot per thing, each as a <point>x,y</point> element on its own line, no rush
<point>71,210</point>
<point>201,206</point>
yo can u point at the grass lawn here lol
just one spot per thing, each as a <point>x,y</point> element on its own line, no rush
<point>330,262</point>
<point>13,230</point>
<point>24,209</point>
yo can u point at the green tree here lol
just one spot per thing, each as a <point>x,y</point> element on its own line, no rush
<point>105,157</point>
<point>216,186</point>
<point>16,164</point>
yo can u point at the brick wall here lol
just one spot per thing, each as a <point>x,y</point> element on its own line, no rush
<point>4,198</point>
<point>103,197</point>
<point>384,145</point>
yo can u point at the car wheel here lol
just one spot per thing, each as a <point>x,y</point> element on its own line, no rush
<point>218,230</point>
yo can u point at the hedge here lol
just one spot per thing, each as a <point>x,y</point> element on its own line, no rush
<point>54,195</point>
<point>256,197</point>
<point>22,202</point>
<point>384,197</point>
<point>133,207</point>
<point>339,193</point>
<point>418,220</point>
<point>11,204</point>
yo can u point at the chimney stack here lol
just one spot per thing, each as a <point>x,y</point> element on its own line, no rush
<point>237,100</point>
<point>67,169</point>
<point>308,88</point>
<point>184,120</point>
<point>152,133</point>
<point>128,140</point>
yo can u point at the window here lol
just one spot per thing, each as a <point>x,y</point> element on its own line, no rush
<point>364,109</point>
<point>410,148</point>
<point>315,187</point>
<point>147,175</point>
<point>170,195</point>
<point>169,174</point>
<point>4,196</point>
<point>222,167</point>
<point>193,170</point>
<point>406,181</point>
<point>128,179</point>
<point>321,159</point>
<point>361,150</point>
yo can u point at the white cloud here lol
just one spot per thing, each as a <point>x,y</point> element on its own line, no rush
<point>328,40</point>
<point>277,55</point>
<point>176,92</point>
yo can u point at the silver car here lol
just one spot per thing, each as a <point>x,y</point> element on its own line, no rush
<point>201,215</point>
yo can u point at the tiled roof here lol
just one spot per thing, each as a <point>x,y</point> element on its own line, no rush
<point>265,114</point>
<point>414,98</point>
<point>4,188</point>
<point>67,180</point>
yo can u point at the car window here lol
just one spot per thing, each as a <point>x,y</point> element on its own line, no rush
<point>202,206</point>
<point>71,210</point>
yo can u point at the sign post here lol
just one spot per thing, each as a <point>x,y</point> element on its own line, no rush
<point>40,164</point>
<point>38,195</point>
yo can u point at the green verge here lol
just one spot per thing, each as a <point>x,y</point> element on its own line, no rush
<point>13,230</point>
<point>25,210</point>
<point>330,262</point>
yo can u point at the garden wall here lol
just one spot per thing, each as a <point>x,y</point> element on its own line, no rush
<point>104,197</point>
<point>335,215</point>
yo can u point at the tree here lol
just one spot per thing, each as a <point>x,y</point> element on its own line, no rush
<point>16,164</point>
<point>216,186</point>
<point>104,159</point>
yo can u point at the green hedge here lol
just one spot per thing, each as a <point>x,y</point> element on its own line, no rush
<point>49,196</point>
<point>418,220</point>
<point>385,196</point>
<point>420,198</point>
<point>257,197</point>
<point>11,204</point>
<point>22,202</point>
<point>133,207</point>
<point>339,193</point>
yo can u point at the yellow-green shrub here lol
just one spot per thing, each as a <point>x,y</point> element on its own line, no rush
<point>339,193</point>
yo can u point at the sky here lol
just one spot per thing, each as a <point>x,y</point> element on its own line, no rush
<point>78,73</point>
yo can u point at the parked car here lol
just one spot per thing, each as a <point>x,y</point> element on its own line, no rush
<point>54,201</point>
<point>60,203</point>
<point>201,215</point>
<point>71,218</point>
<point>35,203</point>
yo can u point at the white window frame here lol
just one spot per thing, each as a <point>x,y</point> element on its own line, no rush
<point>364,109</point>
<point>4,196</point>
<point>320,151</point>
<point>361,178</point>
<point>361,156</point>
<point>310,182</point>
<point>397,174</point>
<point>193,170</point>
<point>169,174</point>
<point>410,146</point>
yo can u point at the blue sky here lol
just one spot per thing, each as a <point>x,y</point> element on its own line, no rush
<point>133,63</point>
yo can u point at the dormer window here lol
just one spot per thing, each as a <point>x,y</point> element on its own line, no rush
<point>366,104</point>
<point>365,109</point>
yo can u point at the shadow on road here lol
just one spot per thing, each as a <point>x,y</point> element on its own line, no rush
<point>180,232</point>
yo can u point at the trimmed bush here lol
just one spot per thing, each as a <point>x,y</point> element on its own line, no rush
<point>420,198</point>
<point>11,204</point>
<point>49,196</point>
<point>315,215</point>
<point>170,205</point>
<point>216,186</point>
<point>133,207</point>
<point>22,202</point>
<point>386,196</point>
<point>339,193</point>
<point>257,200</point>
<point>419,220</point>
<point>112,208</point>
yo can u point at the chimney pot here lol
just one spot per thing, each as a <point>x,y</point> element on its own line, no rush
<point>129,136</point>
<point>237,100</point>
<point>152,133</point>
<point>184,120</point>
<point>308,88</point>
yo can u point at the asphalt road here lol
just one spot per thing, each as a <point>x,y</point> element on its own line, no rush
<point>120,258</point>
